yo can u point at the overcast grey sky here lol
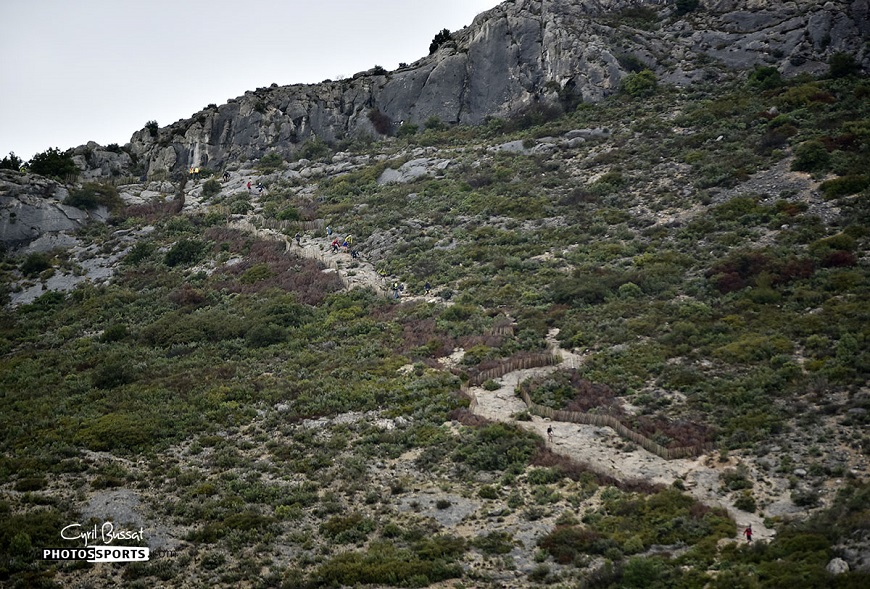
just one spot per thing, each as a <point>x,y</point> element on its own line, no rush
<point>98,70</point>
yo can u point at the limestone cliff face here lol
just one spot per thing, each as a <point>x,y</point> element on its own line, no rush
<point>31,207</point>
<point>521,53</point>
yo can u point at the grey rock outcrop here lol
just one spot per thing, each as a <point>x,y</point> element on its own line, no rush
<point>522,54</point>
<point>411,170</point>
<point>97,162</point>
<point>31,207</point>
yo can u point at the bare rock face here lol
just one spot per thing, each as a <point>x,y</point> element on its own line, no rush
<point>521,54</point>
<point>31,207</point>
<point>97,162</point>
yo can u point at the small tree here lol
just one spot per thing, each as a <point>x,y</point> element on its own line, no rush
<point>53,162</point>
<point>765,78</point>
<point>640,85</point>
<point>11,162</point>
<point>684,6</point>
<point>440,39</point>
<point>381,122</point>
<point>152,128</point>
<point>842,65</point>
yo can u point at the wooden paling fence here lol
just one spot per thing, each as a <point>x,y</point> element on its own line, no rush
<point>511,364</point>
<point>545,359</point>
<point>288,226</point>
<point>617,426</point>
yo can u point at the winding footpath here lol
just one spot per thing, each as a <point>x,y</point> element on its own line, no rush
<point>600,448</point>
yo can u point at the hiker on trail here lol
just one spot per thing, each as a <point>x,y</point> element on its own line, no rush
<point>395,290</point>
<point>354,254</point>
<point>226,176</point>
<point>328,231</point>
<point>550,433</point>
<point>427,287</point>
<point>260,187</point>
<point>298,239</point>
<point>335,245</point>
<point>748,533</point>
<point>249,185</point>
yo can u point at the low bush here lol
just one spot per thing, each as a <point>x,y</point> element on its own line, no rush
<point>93,195</point>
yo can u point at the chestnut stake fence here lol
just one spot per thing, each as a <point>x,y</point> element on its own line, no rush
<point>538,360</point>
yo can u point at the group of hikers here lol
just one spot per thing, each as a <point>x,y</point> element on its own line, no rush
<point>345,245</point>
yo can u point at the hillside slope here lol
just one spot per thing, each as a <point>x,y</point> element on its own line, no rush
<point>701,251</point>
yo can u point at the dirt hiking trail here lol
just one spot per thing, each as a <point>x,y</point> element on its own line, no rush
<point>601,448</point>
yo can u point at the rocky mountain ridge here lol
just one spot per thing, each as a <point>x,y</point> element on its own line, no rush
<point>522,54</point>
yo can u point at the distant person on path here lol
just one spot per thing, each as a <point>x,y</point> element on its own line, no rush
<point>226,176</point>
<point>298,239</point>
<point>550,433</point>
<point>427,287</point>
<point>249,185</point>
<point>748,533</point>
<point>328,231</point>
<point>260,188</point>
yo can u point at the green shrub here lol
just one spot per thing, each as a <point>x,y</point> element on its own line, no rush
<point>92,195</point>
<point>487,492</point>
<point>211,188</point>
<point>313,149</point>
<point>434,123</point>
<point>270,162</point>
<point>811,156</point>
<point>29,484</point>
<point>407,129</point>
<point>841,65</point>
<point>347,529</point>
<point>152,127</point>
<point>746,502</point>
<point>185,251</point>
<point>289,213</point>
<point>640,85</point>
<point>384,564</point>
<point>845,185</point>
<point>140,251</point>
<point>113,372</point>
<point>497,447</point>
<point>494,543</point>
<point>765,78</point>
<point>117,431</point>
<point>35,263</point>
